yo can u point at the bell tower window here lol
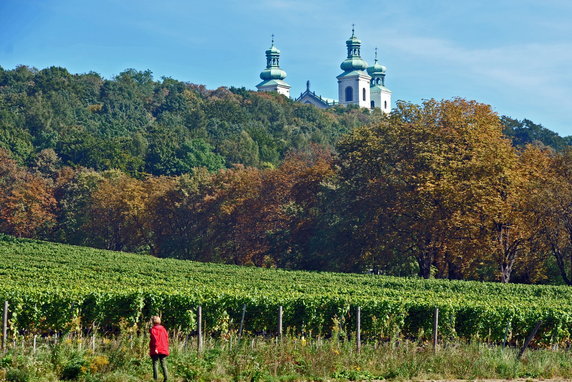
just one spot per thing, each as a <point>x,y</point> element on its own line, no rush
<point>349,94</point>
<point>363,94</point>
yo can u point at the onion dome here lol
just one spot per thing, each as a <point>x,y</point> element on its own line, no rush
<point>377,72</point>
<point>354,60</point>
<point>273,50</point>
<point>272,71</point>
<point>353,39</point>
<point>353,63</point>
<point>376,69</point>
<point>273,74</point>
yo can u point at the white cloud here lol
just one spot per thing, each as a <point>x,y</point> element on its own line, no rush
<point>537,70</point>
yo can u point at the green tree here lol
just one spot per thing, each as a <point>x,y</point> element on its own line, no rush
<point>526,132</point>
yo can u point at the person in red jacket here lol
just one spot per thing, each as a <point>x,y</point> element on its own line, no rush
<point>158,347</point>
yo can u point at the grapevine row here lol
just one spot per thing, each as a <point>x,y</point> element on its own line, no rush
<point>59,288</point>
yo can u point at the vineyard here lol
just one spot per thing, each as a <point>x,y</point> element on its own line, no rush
<point>61,288</point>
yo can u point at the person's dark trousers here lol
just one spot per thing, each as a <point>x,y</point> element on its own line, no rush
<point>159,358</point>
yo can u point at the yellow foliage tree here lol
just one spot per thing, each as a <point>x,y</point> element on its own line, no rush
<point>436,181</point>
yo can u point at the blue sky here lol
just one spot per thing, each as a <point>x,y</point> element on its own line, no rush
<point>513,54</point>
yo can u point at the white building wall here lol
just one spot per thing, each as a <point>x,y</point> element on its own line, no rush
<point>385,103</point>
<point>283,90</point>
<point>276,88</point>
<point>381,99</point>
<point>358,84</point>
<point>376,97</point>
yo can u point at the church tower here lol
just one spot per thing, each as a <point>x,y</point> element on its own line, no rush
<point>273,77</point>
<point>380,95</point>
<point>354,82</point>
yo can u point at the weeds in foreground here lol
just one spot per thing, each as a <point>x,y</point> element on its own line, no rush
<point>125,358</point>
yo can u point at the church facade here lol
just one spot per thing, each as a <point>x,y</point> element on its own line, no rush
<point>358,84</point>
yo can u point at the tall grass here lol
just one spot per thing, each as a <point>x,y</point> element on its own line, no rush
<point>124,358</point>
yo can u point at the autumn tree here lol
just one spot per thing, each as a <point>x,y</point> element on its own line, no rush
<point>230,202</point>
<point>177,217</point>
<point>272,213</point>
<point>417,183</point>
<point>73,193</point>
<point>550,198</point>
<point>27,203</point>
<point>242,215</point>
<point>118,212</point>
<point>299,242</point>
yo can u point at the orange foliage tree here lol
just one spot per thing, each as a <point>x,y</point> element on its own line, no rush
<point>27,203</point>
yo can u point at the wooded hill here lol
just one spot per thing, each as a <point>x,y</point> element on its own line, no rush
<point>136,124</point>
<point>233,176</point>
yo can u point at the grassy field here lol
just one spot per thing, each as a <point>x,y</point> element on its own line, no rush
<point>125,358</point>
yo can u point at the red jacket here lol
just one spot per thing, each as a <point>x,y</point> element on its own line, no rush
<point>159,343</point>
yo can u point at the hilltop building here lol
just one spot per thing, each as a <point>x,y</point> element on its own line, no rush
<point>380,95</point>
<point>353,83</point>
<point>273,77</point>
<point>310,97</point>
<point>358,84</point>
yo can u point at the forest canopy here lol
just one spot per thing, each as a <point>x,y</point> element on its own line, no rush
<point>137,125</point>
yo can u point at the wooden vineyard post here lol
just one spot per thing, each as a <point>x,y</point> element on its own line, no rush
<point>505,338</point>
<point>242,321</point>
<point>93,336</point>
<point>528,339</point>
<point>5,326</point>
<point>435,329</point>
<point>280,313</point>
<point>200,328</point>
<point>358,329</point>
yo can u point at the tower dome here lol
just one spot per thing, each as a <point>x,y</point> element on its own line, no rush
<point>273,70</point>
<point>376,69</point>
<point>273,50</point>
<point>377,72</point>
<point>354,60</point>
<point>274,73</point>
<point>273,76</point>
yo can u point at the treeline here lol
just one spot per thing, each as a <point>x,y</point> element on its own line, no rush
<point>435,189</point>
<point>527,132</point>
<point>137,125</point>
